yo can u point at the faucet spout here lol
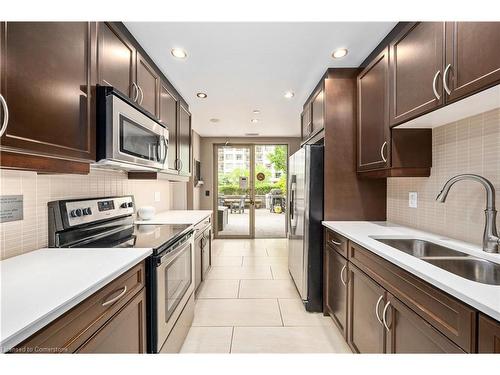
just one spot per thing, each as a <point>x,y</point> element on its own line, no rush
<point>491,241</point>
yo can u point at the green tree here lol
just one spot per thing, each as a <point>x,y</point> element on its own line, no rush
<point>278,158</point>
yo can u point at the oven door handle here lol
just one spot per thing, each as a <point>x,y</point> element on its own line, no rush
<point>174,254</point>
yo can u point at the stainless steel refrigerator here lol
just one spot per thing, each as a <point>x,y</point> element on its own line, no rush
<point>305,232</point>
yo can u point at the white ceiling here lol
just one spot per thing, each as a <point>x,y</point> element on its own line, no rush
<point>247,66</point>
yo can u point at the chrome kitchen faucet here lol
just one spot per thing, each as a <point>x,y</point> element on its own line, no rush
<point>491,240</point>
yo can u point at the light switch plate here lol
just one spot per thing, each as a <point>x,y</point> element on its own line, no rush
<point>157,196</point>
<point>412,199</point>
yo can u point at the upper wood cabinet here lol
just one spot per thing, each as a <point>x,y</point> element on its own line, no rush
<point>116,58</point>
<point>472,57</point>
<point>306,122</point>
<point>168,117</point>
<point>373,113</point>
<point>318,111</point>
<point>335,289</point>
<point>47,79</point>
<point>184,142</point>
<point>148,83</point>
<point>416,70</point>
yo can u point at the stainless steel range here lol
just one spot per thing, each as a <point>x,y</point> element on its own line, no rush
<point>109,223</point>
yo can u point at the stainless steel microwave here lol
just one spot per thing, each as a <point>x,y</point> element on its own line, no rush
<point>128,137</point>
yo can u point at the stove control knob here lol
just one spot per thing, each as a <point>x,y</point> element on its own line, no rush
<point>87,211</point>
<point>130,204</point>
<point>123,205</point>
<point>76,213</point>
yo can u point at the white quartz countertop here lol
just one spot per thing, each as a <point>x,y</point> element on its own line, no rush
<point>485,298</point>
<point>177,217</point>
<point>39,286</point>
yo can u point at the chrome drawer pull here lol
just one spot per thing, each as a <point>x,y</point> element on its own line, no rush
<point>336,243</point>
<point>382,152</point>
<point>114,299</point>
<point>376,309</point>
<point>384,316</point>
<point>445,79</point>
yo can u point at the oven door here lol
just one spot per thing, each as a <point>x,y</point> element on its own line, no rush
<point>175,284</point>
<point>137,139</point>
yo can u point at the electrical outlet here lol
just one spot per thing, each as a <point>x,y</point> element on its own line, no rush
<point>413,199</point>
<point>157,196</point>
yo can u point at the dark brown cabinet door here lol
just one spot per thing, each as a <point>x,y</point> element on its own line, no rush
<point>335,292</point>
<point>366,299</point>
<point>46,82</point>
<point>168,116</point>
<point>116,58</point>
<point>148,82</point>
<point>125,332</point>
<point>472,56</point>
<point>489,335</point>
<point>416,69</point>
<point>409,333</point>
<point>373,114</point>
<point>184,142</point>
<point>318,111</point>
<point>306,122</point>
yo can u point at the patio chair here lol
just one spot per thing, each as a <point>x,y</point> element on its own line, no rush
<point>238,206</point>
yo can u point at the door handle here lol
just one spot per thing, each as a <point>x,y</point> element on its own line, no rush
<point>382,151</point>
<point>342,273</point>
<point>377,308</point>
<point>5,115</point>
<point>445,79</point>
<point>384,316</point>
<point>142,95</point>
<point>336,243</point>
<point>434,88</point>
<point>135,90</point>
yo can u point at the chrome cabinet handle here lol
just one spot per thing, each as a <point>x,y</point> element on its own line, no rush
<point>445,79</point>
<point>434,81</point>
<point>142,94</point>
<point>136,91</point>
<point>382,151</point>
<point>180,164</point>
<point>376,309</point>
<point>5,115</point>
<point>336,243</point>
<point>114,299</point>
<point>384,316</point>
<point>342,273</point>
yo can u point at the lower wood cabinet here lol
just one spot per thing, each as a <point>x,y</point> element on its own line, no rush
<point>406,332</point>
<point>335,291</point>
<point>112,320</point>
<point>489,335</point>
<point>124,333</point>
<point>366,299</point>
<point>388,310</point>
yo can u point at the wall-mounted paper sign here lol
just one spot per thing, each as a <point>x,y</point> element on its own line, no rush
<point>243,182</point>
<point>11,208</point>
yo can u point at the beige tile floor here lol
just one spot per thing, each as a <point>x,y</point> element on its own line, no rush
<point>249,304</point>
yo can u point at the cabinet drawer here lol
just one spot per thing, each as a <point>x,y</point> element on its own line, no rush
<point>451,317</point>
<point>72,329</point>
<point>489,335</point>
<point>337,242</point>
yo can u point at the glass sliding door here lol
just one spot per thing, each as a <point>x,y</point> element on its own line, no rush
<point>270,190</point>
<point>234,191</point>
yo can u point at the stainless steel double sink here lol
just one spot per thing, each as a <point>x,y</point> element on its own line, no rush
<point>454,261</point>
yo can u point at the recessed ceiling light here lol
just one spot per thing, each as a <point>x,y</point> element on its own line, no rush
<point>178,53</point>
<point>214,120</point>
<point>256,111</point>
<point>289,94</point>
<point>341,52</point>
<point>201,95</point>
<point>254,120</point>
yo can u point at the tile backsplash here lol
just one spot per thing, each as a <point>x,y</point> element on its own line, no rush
<point>471,145</point>
<point>19,237</point>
